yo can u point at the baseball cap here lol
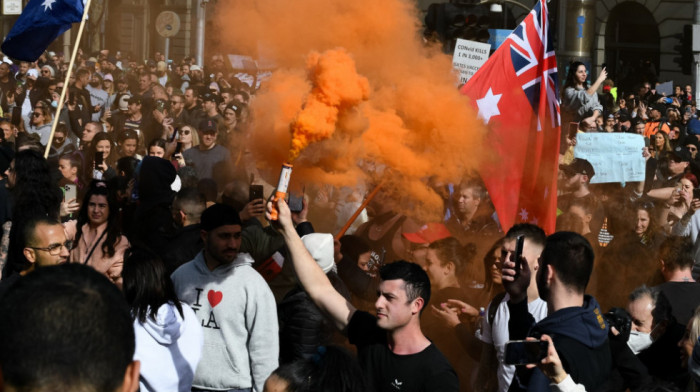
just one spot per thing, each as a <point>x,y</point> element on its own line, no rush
<point>428,234</point>
<point>682,153</point>
<point>578,166</point>
<point>109,77</point>
<point>210,97</point>
<point>219,215</point>
<point>135,99</point>
<point>207,126</point>
<point>659,106</point>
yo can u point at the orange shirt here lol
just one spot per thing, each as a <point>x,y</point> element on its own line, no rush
<point>652,127</point>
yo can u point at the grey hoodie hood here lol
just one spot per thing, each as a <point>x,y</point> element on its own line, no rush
<point>168,326</point>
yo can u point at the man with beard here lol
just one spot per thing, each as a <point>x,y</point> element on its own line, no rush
<point>98,96</point>
<point>7,81</point>
<point>575,322</point>
<point>235,306</point>
<point>575,179</point>
<point>193,109</point>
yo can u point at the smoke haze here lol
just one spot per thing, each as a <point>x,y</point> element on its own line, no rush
<point>361,92</point>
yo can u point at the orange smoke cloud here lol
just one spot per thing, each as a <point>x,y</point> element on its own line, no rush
<point>396,110</point>
<point>336,87</point>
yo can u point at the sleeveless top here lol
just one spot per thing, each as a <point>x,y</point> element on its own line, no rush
<point>381,249</point>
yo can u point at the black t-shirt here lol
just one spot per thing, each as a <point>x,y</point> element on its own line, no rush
<point>426,371</point>
<point>684,297</point>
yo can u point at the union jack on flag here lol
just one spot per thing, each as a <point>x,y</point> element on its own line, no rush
<point>516,92</point>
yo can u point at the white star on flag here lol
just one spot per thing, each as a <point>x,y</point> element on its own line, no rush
<point>535,221</point>
<point>488,106</point>
<point>523,214</point>
<point>47,4</point>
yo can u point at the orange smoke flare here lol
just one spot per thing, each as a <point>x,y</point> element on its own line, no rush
<point>385,103</point>
<point>336,87</point>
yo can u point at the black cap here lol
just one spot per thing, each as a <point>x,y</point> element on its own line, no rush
<point>135,99</point>
<point>682,153</point>
<point>219,215</point>
<point>578,166</point>
<point>208,126</point>
<point>659,106</point>
<point>211,97</point>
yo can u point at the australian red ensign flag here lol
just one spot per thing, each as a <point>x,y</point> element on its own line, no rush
<point>515,92</point>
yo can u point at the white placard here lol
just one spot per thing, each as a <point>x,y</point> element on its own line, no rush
<point>11,7</point>
<point>665,88</point>
<point>469,56</point>
<point>616,157</point>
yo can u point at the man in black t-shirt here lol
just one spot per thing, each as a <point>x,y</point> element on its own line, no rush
<point>393,352</point>
<point>681,290</point>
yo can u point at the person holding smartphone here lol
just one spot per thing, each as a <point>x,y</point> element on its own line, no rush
<point>103,157</point>
<point>574,318</point>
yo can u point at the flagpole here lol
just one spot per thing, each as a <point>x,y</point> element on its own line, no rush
<point>67,80</point>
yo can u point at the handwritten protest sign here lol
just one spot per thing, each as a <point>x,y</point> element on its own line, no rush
<point>616,157</point>
<point>469,56</point>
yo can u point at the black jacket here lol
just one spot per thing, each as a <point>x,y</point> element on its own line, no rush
<point>303,328</point>
<point>580,336</point>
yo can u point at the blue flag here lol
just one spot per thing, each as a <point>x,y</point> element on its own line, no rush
<point>41,22</point>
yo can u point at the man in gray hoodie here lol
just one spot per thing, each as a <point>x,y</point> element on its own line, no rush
<point>235,307</point>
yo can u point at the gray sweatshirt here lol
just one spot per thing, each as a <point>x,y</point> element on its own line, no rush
<point>238,315</point>
<point>578,102</point>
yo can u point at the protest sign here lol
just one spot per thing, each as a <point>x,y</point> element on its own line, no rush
<point>616,157</point>
<point>469,56</point>
<point>665,88</point>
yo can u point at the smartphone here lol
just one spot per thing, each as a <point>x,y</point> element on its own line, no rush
<point>175,135</point>
<point>160,105</point>
<point>604,66</point>
<point>98,158</point>
<point>519,242</point>
<point>296,202</point>
<point>696,193</point>
<point>573,129</point>
<point>523,352</point>
<point>178,148</point>
<point>70,192</point>
<point>256,192</point>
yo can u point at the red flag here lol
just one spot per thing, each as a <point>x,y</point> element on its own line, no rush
<point>516,94</point>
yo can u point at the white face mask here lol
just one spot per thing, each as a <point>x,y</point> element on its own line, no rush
<point>639,341</point>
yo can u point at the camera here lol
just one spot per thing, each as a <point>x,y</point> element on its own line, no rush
<point>621,320</point>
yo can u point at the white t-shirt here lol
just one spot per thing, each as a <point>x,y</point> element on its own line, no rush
<point>497,334</point>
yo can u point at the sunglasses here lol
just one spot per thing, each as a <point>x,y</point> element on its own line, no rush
<point>185,131</point>
<point>35,114</point>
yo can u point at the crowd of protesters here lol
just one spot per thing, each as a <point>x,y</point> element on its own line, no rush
<point>175,279</point>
